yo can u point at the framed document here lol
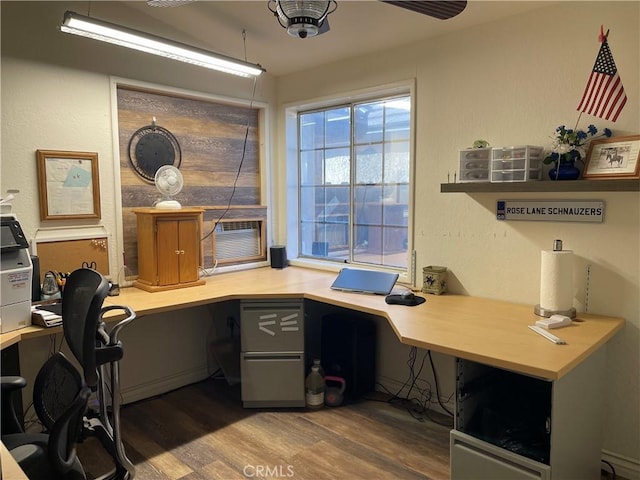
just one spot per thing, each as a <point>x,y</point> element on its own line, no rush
<point>613,158</point>
<point>68,185</point>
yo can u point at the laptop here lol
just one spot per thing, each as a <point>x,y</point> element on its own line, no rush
<point>364,281</point>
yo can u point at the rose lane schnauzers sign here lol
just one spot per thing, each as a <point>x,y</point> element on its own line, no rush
<point>587,211</point>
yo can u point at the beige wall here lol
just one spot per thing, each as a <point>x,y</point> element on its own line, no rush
<point>58,99</point>
<point>510,82</point>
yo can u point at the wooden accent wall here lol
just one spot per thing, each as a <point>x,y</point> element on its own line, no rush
<point>211,137</point>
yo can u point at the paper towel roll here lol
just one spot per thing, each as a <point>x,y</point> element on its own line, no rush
<point>556,280</point>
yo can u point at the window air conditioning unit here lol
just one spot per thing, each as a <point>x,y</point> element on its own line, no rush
<point>239,241</point>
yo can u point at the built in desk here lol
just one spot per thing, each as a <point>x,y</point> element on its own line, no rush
<point>10,469</point>
<point>488,332</point>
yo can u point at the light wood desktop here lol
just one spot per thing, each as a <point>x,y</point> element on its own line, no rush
<point>489,332</point>
<point>10,469</point>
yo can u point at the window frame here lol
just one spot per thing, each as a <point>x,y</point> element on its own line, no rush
<point>292,142</point>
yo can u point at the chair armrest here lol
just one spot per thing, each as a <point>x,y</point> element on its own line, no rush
<point>111,349</point>
<point>131,315</point>
<point>10,422</point>
<point>11,383</point>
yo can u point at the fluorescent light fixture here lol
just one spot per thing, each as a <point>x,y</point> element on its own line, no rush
<point>144,42</point>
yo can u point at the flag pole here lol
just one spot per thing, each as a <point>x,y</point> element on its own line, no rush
<point>604,95</point>
<point>601,38</point>
<point>578,121</point>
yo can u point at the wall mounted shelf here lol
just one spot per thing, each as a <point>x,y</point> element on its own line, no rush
<point>615,185</point>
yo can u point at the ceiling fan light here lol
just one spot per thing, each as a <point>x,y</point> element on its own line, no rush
<point>317,9</point>
<point>303,27</point>
<point>302,18</point>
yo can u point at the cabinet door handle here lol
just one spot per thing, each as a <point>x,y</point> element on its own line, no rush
<point>177,252</point>
<point>181,252</point>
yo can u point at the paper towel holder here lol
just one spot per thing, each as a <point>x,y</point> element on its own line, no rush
<point>546,312</point>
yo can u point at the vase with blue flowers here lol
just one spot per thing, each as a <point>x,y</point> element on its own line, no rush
<point>569,147</point>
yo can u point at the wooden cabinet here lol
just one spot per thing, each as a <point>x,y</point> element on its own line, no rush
<point>168,248</point>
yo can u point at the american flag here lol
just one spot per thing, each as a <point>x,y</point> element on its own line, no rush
<point>604,95</point>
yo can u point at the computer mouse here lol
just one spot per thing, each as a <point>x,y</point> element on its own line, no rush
<point>405,298</point>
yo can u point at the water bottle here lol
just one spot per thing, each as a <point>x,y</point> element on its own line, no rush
<point>316,361</point>
<point>314,388</point>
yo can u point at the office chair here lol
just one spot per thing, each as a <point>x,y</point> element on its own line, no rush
<point>60,399</point>
<point>98,350</point>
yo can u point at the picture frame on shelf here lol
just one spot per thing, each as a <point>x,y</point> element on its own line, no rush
<point>68,185</point>
<point>617,157</point>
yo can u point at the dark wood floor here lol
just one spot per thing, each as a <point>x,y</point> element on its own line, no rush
<point>203,432</point>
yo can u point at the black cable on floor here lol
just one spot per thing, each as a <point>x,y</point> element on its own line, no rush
<point>613,470</point>
<point>435,379</point>
<point>417,406</point>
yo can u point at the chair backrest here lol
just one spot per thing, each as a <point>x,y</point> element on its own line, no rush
<point>60,399</point>
<point>82,299</point>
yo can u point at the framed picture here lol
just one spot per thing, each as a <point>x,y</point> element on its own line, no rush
<point>68,185</point>
<point>613,158</point>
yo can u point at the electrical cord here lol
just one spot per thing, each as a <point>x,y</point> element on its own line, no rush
<point>613,470</point>
<point>435,379</point>
<point>31,419</point>
<point>424,398</point>
<point>417,405</point>
<point>235,182</point>
<point>244,150</point>
<point>207,272</point>
<point>217,375</point>
<point>122,273</point>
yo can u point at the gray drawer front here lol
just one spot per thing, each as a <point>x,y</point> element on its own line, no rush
<point>473,459</point>
<point>272,327</point>
<point>272,379</point>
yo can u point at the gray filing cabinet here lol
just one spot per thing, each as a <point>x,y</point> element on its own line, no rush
<point>272,353</point>
<point>512,426</point>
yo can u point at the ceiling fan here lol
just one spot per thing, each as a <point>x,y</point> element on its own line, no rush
<point>308,18</point>
<point>167,3</point>
<point>440,9</point>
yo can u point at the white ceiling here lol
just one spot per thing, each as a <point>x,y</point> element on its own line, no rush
<point>357,27</point>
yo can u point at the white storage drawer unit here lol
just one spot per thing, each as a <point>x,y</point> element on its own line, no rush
<point>272,360</point>
<point>516,164</point>
<point>474,165</point>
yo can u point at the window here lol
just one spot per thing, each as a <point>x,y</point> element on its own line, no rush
<point>354,182</point>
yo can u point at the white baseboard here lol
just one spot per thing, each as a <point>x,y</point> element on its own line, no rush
<point>627,468</point>
<point>162,385</point>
